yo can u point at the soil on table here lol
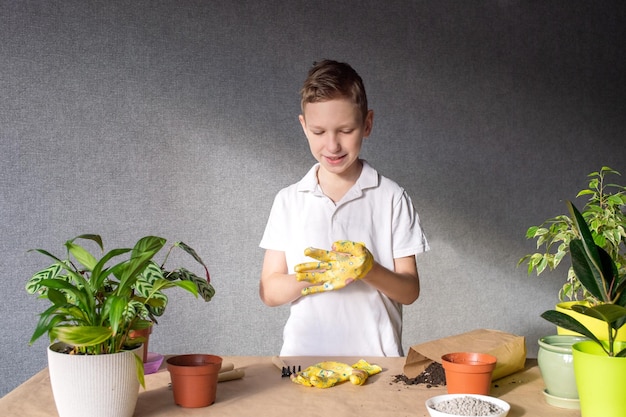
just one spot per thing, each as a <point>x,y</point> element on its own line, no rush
<point>433,376</point>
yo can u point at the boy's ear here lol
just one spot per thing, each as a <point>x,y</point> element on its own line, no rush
<point>369,123</point>
<point>302,122</point>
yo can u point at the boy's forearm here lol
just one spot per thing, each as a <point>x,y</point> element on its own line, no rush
<point>401,286</point>
<point>277,289</point>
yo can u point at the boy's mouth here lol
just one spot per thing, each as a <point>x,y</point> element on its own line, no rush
<point>334,159</point>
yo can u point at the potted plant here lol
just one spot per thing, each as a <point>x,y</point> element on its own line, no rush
<point>145,287</point>
<point>599,365</point>
<point>604,214</point>
<point>95,304</point>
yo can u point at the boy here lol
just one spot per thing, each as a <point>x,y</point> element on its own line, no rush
<point>349,303</point>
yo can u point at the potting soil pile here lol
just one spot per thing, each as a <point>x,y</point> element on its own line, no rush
<point>433,376</point>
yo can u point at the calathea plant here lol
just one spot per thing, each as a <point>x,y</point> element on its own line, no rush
<point>600,276</point>
<point>97,301</point>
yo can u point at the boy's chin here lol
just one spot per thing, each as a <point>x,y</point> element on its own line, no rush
<point>341,166</point>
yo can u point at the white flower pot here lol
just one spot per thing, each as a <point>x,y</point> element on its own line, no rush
<point>93,385</point>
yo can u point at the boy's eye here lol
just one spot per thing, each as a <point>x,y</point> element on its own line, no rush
<point>347,131</point>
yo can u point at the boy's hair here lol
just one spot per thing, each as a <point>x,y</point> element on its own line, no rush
<point>329,80</point>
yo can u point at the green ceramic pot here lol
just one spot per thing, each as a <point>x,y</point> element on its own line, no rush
<point>600,380</point>
<point>556,365</point>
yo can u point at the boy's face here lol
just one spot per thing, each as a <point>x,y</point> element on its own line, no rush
<point>335,130</point>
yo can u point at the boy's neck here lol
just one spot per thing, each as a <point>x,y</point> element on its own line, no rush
<point>335,186</point>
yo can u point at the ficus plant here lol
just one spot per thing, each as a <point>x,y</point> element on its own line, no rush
<point>97,301</point>
<point>604,214</point>
<point>599,275</point>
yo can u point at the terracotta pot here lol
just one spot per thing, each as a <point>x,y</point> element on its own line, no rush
<point>144,334</point>
<point>194,379</point>
<point>468,372</point>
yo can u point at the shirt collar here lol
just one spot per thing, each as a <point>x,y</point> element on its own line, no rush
<point>367,179</point>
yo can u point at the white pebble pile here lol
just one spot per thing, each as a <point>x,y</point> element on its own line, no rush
<point>468,406</point>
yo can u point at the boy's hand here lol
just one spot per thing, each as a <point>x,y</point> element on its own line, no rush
<point>346,262</point>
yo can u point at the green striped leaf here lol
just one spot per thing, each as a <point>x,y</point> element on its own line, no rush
<point>34,283</point>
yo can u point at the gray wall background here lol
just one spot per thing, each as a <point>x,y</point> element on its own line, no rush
<point>179,118</point>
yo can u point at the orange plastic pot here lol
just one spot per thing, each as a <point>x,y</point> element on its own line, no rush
<point>194,379</point>
<point>468,372</point>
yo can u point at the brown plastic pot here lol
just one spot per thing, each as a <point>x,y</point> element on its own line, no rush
<point>468,372</point>
<point>194,379</point>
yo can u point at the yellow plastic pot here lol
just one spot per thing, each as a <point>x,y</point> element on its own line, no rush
<point>597,327</point>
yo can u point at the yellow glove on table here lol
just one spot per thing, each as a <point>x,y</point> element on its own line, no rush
<point>346,262</point>
<point>329,373</point>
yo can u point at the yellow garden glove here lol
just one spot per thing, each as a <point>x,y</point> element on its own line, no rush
<point>329,373</point>
<point>361,370</point>
<point>346,262</point>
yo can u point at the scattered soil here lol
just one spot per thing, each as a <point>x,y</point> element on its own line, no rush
<point>433,376</point>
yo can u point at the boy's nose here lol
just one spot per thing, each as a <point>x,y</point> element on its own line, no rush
<point>332,142</point>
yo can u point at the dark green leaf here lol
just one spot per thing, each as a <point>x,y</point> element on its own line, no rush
<point>92,237</point>
<point>568,322</point>
<point>56,297</point>
<point>588,276</point>
<point>609,313</point>
<point>46,321</point>
<point>193,253</point>
<point>62,285</point>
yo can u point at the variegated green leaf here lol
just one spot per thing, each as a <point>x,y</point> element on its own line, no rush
<point>203,287</point>
<point>157,303</point>
<point>143,287</point>
<point>152,272</point>
<point>34,283</point>
<point>135,309</point>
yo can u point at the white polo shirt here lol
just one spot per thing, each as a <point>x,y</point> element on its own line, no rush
<point>357,320</point>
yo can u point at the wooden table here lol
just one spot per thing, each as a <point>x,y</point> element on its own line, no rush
<point>263,392</point>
